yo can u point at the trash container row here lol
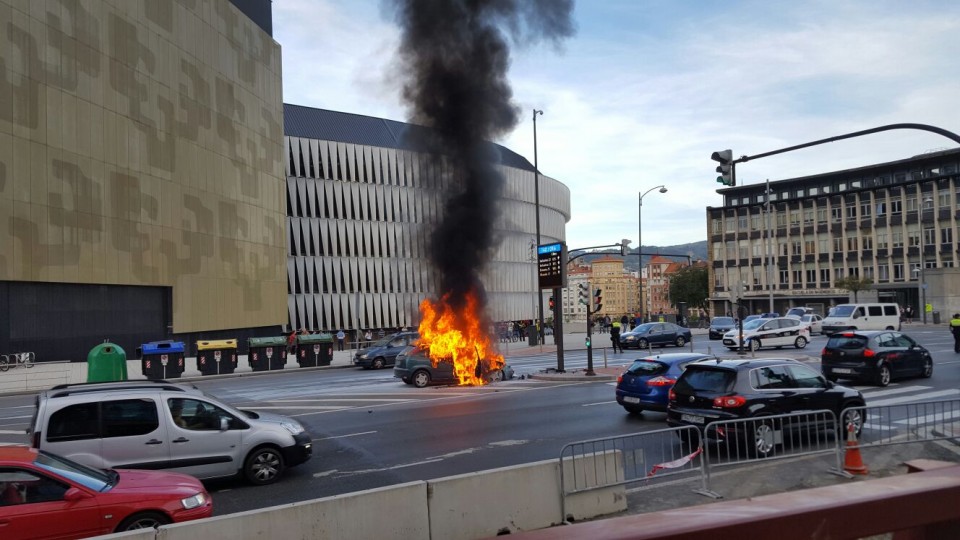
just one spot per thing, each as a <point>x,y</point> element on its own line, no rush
<point>165,359</point>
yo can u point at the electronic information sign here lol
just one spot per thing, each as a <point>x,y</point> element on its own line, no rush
<point>552,265</point>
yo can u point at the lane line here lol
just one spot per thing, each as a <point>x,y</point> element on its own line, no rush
<point>393,400</point>
<point>868,394</point>
<point>318,407</point>
<point>599,403</point>
<point>918,397</point>
<point>344,436</point>
<point>13,432</point>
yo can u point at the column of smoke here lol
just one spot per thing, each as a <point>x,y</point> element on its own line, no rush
<point>454,58</point>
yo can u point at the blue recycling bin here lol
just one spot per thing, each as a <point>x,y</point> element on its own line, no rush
<point>162,359</point>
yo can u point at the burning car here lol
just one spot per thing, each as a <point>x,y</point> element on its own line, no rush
<point>413,366</point>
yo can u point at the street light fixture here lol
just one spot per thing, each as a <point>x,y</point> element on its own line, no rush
<point>662,189</point>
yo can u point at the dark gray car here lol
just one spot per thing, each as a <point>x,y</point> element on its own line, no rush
<point>414,367</point>
<point>383,352</point>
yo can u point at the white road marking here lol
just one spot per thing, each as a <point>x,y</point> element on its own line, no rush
<point>344,436</point>
<point>917,397</point>
<point>599,403</point>
<point>292,401</point>
<point>317,407</point>
<point>12,432</point>
<point>869,394</point>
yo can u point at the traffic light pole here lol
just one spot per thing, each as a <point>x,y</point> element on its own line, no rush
<point>589,339</point>
<point>558,326</point>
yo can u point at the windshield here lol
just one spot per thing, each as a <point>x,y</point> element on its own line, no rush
<point>642,329</point>
<point>753,324</point>
<point>723,321</point>
<point>94,479</point>
<point>694,380</point>
<point>646,367</point>
<point>841,311</point>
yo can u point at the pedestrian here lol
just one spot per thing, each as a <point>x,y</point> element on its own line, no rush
<point>292,342</point>
<point>615,336</point>
<point>909,314</point>
<point>955,330</point>
<point>368,337</point>
<point>340,337</point>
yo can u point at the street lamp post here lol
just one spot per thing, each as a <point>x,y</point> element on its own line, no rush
<point>921,275</point>
<point>536,202</point>
<point>643,308</point>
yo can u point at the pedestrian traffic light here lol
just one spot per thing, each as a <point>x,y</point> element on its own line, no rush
<point>584,293</point>
<point>597,301</point>
<point>586,341</point>
<point>551,303</point>
<point>725,169</point>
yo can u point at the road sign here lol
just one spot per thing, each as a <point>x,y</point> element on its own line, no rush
<point>552,265</point>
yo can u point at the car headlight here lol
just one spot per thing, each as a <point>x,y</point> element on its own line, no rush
<point>193,502</point>
<point>293,427</point>
<point>363,356</point>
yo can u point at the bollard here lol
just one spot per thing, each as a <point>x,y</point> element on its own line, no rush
<point>604,358</point>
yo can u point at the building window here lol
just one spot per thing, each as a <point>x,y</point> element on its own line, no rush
<point>756,275</point>
<point>784,277</point>
<point>796,247</point>
<point>782,247</point>
<point>911,203</point>
<point>794,218</point>
<point>896,238</point>
<point>865,210</point>
<point>821,215</point>
<point>868,272</point>
<point>883,273</point>
<point>824,244</point>
<point>809,247</point>
<point>913,238</point>
<point>898,271</point>
<point>717,226</point>
<point>744,249</point>
<point>781,220</point>
<point>717,251</point>
<point>824,275</point>
<point>929,236</point>
<point>851,211</point>
<point>811,275</point>
<point>796,277</point>
<point>943,198</point>
<point>853,272</point>
<point>808,216</point>
<point>731,250</point>
<point>838,272</point>
<point>881,240</point>
<point>946,235</point>
<point>895,207</point>
<point>948,263</point>
<point>814,191</point>
<point>743,223</point>
<point>757,249</point>
<point>881,208</point>
<point>755,222</point>
<point>867,242</point>
<point>731,224</point>
<point>836,214</point>
<point>837,244</point>
<point>852,243</point>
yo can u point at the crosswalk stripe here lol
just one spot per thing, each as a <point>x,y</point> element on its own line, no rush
<point>894,391</point>
<point>917,397</point>
<point>314,407</point>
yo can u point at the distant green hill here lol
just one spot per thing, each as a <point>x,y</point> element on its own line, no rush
<point>696,251</point>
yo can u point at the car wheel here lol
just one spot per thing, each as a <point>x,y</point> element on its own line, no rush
<point>800,343</point>
<point>143,520</point>
<point>642,344</point>
<point>263,466</point>
<point>755,344</point>
<point>496,376</point>
<point>855,417</point>
<point>890,328</point>
<point>883,376</point>
<point>378,363</point>
<point>762,438</point>
<point>927,370</point>
<point>421,378</point>
<point>681,341</point>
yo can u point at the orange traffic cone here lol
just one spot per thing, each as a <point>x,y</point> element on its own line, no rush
<point>852,463</point>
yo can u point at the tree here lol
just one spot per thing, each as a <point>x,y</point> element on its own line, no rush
<point>689,285</point>
<point>854,284</point>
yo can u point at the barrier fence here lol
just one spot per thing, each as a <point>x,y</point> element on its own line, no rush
<point>652,456</point>
<point>8,361</point>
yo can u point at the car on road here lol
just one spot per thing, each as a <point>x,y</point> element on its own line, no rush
<point>161,425</point>
<point>43,495</point>
<point>798,312</point>
<point>709,392</point>
<point>414,367</point>
<point>875,356</point>
<point>645,384</point>
<point>813,322</point>
<point>778,333</point>
<point>383,352</point>
<point>720,326</point>
<point>655,333</point>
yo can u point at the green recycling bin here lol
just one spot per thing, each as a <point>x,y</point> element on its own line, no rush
<point>314,350</point>
<point>106,362</point>
<point>267,353</point>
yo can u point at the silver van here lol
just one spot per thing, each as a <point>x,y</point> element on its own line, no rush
<point>862,317</point>
<point>163,425</point>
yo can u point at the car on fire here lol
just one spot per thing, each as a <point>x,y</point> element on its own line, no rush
<point>413,366</point>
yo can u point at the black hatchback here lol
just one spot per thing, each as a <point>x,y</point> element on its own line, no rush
<point>878,356</point>
<point>720,326</point>
<point>710,392</point>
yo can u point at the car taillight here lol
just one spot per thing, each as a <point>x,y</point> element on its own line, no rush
<point>619,379</point>
<point>672,395</point>
<point>661,381</point>
<point>729,402</point>
<point>848,334</point>
<point>824,352</point>
<point>869,353</point>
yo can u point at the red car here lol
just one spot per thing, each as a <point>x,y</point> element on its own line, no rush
<point>46,496</point>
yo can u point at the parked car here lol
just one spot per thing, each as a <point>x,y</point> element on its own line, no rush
<point>720,326</point>
<point>877,356</point>
<point>708,392</point>
<point>383,352</point>
<point>43,495</point>
<point>162,425</point>
<point>777,333</point>
<point>749,318</point>
<point>798,312</point>
<point>862,317</point>
<point>655,333</point>
<point>646,383</point>
<point>414,367</point>
<point>771,315</point>
<point>812,321</point>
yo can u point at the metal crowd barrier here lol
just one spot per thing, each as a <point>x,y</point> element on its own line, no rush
<point>8,361</point>
<point>647,457</point>
<point>765,438</point>
<point>905,423</point>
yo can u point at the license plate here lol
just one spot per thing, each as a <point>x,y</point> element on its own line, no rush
<point>842,370</point>
<point>692,418</point>
<point>631,399</point>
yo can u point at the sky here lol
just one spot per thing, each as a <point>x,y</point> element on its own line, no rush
<point>645,91</point>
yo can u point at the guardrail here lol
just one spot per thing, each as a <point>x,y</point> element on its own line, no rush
<point>12,360</point>
<point>649,457</point>
<point>905,423</point>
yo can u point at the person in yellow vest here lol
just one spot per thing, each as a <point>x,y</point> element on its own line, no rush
<point>615,336</point>
<point>955,330</point>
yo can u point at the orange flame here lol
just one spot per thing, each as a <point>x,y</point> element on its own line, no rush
<point>449,335</point>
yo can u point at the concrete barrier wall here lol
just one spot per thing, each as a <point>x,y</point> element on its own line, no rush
<point>41,376</point>
<point>601,469</point>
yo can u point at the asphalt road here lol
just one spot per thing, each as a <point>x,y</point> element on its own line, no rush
<point>370,430</point>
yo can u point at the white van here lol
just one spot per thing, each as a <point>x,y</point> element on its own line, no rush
<point>862,317</point>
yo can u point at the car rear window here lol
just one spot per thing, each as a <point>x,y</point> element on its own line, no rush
<point>722,321</point>
<point>846,342</point>
<point>698,379</point>
<point>646,367</point>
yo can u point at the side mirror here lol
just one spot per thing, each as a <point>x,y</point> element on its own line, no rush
<point>75,494</point>
<point>224,424</point>
<point>830,384</point>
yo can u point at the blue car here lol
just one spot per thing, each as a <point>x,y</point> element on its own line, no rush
<point>646,384</point>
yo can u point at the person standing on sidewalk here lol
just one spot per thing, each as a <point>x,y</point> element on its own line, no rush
<point>615,336</point>
<point>955,330</point>
<point>340,337</point>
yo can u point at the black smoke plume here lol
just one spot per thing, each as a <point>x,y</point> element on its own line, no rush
<point>454,58</point>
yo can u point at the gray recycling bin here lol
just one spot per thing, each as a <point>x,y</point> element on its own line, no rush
<point>936,317</point>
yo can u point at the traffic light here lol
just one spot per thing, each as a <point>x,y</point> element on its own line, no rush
<point>586,341</point>
<point>584,293</point>
<point>597,301</point>
<point>725,169</point>
<point>624,249</point>
<point>551,303</point>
